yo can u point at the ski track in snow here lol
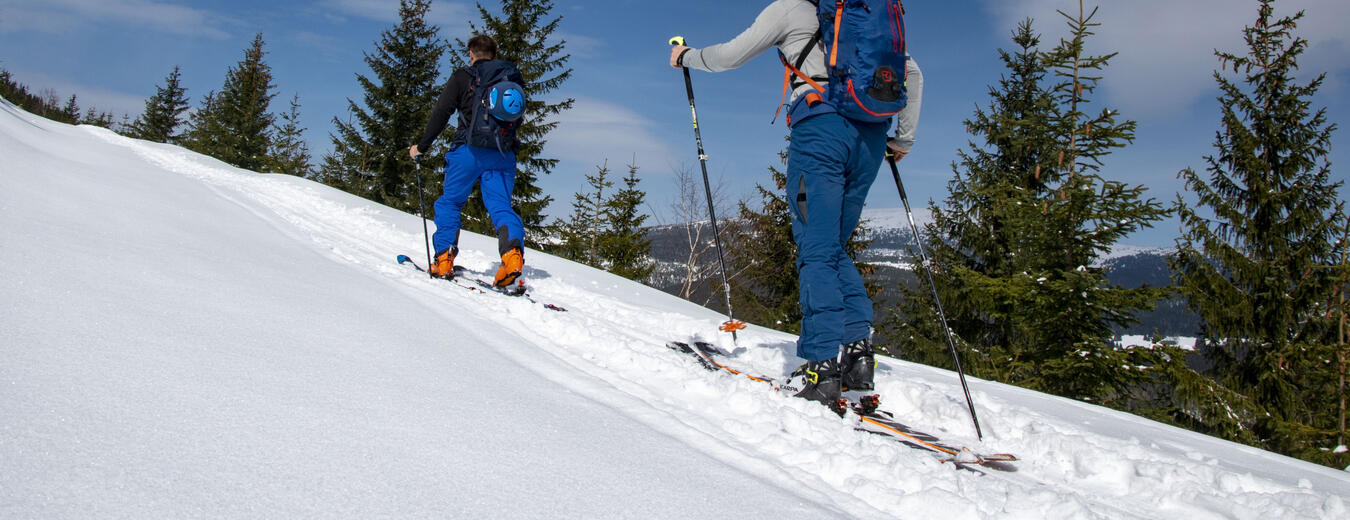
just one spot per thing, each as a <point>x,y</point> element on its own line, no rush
<point>610,348</point>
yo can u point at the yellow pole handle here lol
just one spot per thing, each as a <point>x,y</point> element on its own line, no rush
<point>678,40</point>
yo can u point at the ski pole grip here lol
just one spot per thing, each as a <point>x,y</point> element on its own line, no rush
<point>678,40</point>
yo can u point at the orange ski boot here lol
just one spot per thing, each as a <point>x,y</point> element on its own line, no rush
<point>444,264</point>
<point>512,263</point>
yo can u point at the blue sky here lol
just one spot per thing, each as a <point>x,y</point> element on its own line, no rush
<point>113,53</point>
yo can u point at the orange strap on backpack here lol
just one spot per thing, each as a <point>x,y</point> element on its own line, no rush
<point>789,70</point>
<point>838,16</point>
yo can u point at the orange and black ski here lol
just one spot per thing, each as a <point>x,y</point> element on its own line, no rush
<point>871,418</point>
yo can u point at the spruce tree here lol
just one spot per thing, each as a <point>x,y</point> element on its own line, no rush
<point>1260,258</point>
<point>163,112</point>
<point>522,32</point>
<point>1029,213</point>
<point>290,153</point>
<point>580,235</point>
<point>233,124</point>
<point>974,235</point>
<point>624,246</point>
<point>70,113</point>
<point>203,125</point>
<point>1086,216</point>
<point>370,149</point>
<point>94,117</point>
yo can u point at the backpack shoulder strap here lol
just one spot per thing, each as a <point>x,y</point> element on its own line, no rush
<point>789,70</point>
<point>810,44</point>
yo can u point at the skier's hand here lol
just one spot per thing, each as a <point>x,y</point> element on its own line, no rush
<point>896,151</point>
<point>413,152</point>
<point>675,53</point>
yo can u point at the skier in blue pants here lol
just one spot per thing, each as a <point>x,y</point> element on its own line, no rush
<point>831,165</point>
<point>495,174</point>
<point>832,161</point>
<point>493,168</point>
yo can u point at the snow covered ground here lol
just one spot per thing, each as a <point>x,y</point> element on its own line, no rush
<point>180,339</point>
<point>1140,340</point>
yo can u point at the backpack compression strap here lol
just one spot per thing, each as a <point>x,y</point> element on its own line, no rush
<point>790,69</point>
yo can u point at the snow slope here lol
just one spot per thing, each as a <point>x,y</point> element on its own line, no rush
<point>180,338</point>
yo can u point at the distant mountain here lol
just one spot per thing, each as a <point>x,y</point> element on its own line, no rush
<point>892,239</point>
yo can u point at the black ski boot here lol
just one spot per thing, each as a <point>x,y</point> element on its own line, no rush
<point>859,365</point>
<point>822,384</point>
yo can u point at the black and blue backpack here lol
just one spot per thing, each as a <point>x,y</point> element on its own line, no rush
<point>498,105</point>
<point>864,55</point>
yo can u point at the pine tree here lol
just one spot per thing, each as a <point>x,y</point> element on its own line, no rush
<point>1260,255</point>
<point>163,112</point>
<point>580,235</point>
<point>95,118</point>
<point>233,124</point>
<point>522,33</point>
<point>370,150</point>
<point>203,125</point>
<point>290,153</point>
<point>71,112</point>
<point>1027,218</point>
<point>997,182</point>
<point>624,246</point>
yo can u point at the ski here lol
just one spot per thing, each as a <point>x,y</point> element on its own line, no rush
<point>871,418</point>
<point>483,286</point>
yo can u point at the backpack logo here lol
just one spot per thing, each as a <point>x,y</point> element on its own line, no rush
<point>499,106</point>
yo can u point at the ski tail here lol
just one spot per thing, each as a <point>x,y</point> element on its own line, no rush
<point>403,259</point>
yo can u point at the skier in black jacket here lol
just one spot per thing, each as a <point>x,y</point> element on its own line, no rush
<point>483,151</point>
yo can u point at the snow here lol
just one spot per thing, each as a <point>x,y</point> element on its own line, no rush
<point>185,339</point>
<point>1140,340</point>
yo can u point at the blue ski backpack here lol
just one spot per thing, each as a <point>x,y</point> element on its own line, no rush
<point>864,55</point>
<point>498,105</point>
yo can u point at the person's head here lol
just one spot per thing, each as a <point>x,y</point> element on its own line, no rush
<point>482,47</point>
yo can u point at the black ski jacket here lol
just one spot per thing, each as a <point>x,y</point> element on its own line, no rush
<point>454,98</point>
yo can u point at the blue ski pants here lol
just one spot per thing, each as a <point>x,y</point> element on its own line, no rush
<point>832,162</point>
<point>495,172</point>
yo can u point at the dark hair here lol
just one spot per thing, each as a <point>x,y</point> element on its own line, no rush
<point>484,46</point>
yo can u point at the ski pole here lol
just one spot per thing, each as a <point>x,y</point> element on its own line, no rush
<point>426,242</point>
<point>732,324</point>
<point>923,257</point>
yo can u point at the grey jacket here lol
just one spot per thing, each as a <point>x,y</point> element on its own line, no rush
<point>789,26</point>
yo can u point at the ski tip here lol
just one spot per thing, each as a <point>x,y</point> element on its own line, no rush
<point>403,259</point>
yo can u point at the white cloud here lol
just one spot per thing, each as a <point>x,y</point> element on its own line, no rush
<point>62,16</point>
<point>578,45</point>
<point>594,130</point>
<point>450,16</point>
<point>1166,59</point>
